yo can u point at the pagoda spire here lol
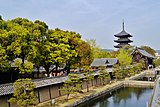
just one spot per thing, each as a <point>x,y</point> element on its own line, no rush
<point>123,38</point>
<point>123,25</point>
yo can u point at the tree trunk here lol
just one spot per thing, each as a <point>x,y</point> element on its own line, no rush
<point>47,70</point>
<point>68,68</point>
<point>67,97</point>
<point>38,72</point>
<point>87,86</point>
<point>56,68</point>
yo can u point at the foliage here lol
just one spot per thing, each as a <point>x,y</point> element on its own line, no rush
<point>88,76</point>
<point>85,54</point>
<point>26,67</point>
<point>103,54</point>
<point>34,42</point>
<point>149,50</point>
<point>128,48</point>
<point>23,93</point>
<point>118,72</point>
<point>123,58</point>
<point>3,59</point>
<point>103,74</point>
<point>94,47</point>
<point>114,54</point>
<point>157,62</point>
<point>71,85</point>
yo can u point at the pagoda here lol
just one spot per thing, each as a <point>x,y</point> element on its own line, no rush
<point>123,38</point>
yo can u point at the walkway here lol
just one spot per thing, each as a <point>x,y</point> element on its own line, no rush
<point>155,98</point>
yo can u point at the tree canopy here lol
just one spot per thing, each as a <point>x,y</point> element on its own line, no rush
<point>35,44</point>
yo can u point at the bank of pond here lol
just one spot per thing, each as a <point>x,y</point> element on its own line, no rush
<point>123,97</point>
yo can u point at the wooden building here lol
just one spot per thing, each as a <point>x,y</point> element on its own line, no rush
<point>107,62</point>
<point>140,54</point>
<point>123,38</point>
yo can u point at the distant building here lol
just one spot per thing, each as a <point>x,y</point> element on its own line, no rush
<point>140,54</point>
<point>157,55</point>
<point>107,62</point>
<point>123,38</point>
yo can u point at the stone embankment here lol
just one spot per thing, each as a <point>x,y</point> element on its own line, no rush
<point>129,82</point>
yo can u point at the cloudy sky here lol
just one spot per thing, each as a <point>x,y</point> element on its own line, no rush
<point>93,19</point>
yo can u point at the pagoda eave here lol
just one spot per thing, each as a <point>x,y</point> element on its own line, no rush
<point>118,41</point>
<point>123,35</point>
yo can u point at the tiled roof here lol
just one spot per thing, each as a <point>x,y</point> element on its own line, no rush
<point>123,40</point>
<point>104,61</point>
<point>123,33</point>
<point>121,45</point>
<point>8,88</point>
<point>143,52</point>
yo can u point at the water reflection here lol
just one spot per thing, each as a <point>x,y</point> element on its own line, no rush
<point>124,97</point>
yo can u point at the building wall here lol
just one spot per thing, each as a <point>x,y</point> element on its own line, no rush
<point>3,101</point>
<point>47,92</point>
<point>44,94</point>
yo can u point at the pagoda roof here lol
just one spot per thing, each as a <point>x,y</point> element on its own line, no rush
<point>120,45</point>
<point>123,33</point>
<point>123,40</point>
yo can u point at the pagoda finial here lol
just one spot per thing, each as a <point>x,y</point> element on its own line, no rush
<point>123,24</point>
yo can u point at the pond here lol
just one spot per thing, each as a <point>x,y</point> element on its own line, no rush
<point>124,97</point>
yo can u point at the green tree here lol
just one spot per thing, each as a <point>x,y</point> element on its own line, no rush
<point>1,17</point>
<point>4,65</point>
<point>88,76</point>
<point>94,47</point>
<point>156,62</point>
<point>123,58</point>
<point>20,42</point>
<point>71,85</point>
<point>103,74</point>
<point>85,55</point>
<point>24,67</point>
<point>104,54</point>
<point>74,41</point>
<point>23,93</point>
<point>128,48</point>
<point>118,72</point>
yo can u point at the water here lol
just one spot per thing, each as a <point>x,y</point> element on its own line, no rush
<point>124,97</point>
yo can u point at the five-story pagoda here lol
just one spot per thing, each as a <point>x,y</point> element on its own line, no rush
<point>123,38</point>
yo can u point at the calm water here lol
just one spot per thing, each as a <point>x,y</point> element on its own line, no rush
<point>124,97</point>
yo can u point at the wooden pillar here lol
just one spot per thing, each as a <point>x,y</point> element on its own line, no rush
<point>38,96</point>
<point>59,90</point>
<point>50,93</point>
